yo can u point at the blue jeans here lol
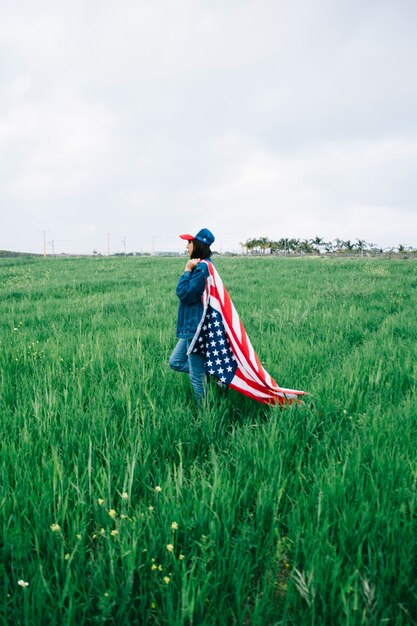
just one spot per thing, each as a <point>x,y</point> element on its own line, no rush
<point>192,364</point>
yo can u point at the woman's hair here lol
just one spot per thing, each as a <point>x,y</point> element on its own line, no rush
<point>200,250</point>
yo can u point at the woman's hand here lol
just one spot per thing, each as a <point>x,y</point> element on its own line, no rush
<point>191,264</point>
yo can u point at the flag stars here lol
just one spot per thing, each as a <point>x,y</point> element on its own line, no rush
<point>213,344</point>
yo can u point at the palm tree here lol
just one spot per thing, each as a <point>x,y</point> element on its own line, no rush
<point>317,243</point>
<point>283,244</point>
<point>348,245</point>
<point>294,244</point>
<point>274,247</point>
<point>305,247</point>
<point>264,244</point>
<point>250,244</point>
<point>361,245</point>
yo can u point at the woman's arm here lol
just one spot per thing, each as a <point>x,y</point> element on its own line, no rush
<point>191,284</point>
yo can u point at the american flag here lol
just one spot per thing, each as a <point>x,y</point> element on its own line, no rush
<point>227,350</point>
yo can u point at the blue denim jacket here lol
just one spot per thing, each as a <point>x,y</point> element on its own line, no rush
<point>190,288</point>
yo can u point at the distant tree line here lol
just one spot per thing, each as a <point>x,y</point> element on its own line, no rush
<point>10,254</point>
<point>287,247</point>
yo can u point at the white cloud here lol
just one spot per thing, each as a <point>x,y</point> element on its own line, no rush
<point>338,189</point>
<point>248,117</point>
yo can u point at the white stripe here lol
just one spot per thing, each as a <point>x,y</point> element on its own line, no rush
<point>243,363</point>
<point>252,354</point>
<point>245,366</point>
<point>219,284</point>
<point>248,369</point>
<point>242,384</point>
<point>236,322</point>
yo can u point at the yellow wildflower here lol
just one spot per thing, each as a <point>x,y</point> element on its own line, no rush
<point>125,496</point>
<point>100,501</point>
<point>158,489</point>
<point>154,567</point>
<point>67,556</point>
<point>181,557</point>
<point>102,532</point>
<point>112,513</point>
<point>150,508</point>
<point>22,583</point>
<point>166,580</point>
<point>174,526</point>
<point>114,533</point>
<point>55,528</point>
<point>170,547</point>
<point>78,536</point>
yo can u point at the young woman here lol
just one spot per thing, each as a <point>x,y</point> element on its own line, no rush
<point>190,289</point>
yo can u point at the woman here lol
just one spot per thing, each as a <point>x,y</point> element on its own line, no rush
<point>190,289</point>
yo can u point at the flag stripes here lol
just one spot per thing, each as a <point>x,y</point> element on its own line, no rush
<point>229,355</point>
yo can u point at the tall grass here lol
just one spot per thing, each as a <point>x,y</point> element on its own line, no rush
<point>120,503</point>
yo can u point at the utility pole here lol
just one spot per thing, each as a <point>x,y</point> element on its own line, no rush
<point>44,243</point>
<point>108,244</point>
<point>153,245</point>
<point>124,244</point>
<point>52,244</point>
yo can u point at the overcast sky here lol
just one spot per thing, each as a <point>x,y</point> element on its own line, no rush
<point>149,118</point>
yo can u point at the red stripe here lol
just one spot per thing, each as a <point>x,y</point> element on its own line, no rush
<point>258,372</point>
<point>269,400</point>
<point>227,308</point>
<point>256,386</point>
<point>255,366</point>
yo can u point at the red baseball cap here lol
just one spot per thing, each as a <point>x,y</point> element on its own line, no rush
<point>204,235</point>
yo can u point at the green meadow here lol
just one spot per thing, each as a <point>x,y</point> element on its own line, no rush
<point>121,503</point>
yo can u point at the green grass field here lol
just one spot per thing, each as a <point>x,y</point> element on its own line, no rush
<point>122,504</point>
